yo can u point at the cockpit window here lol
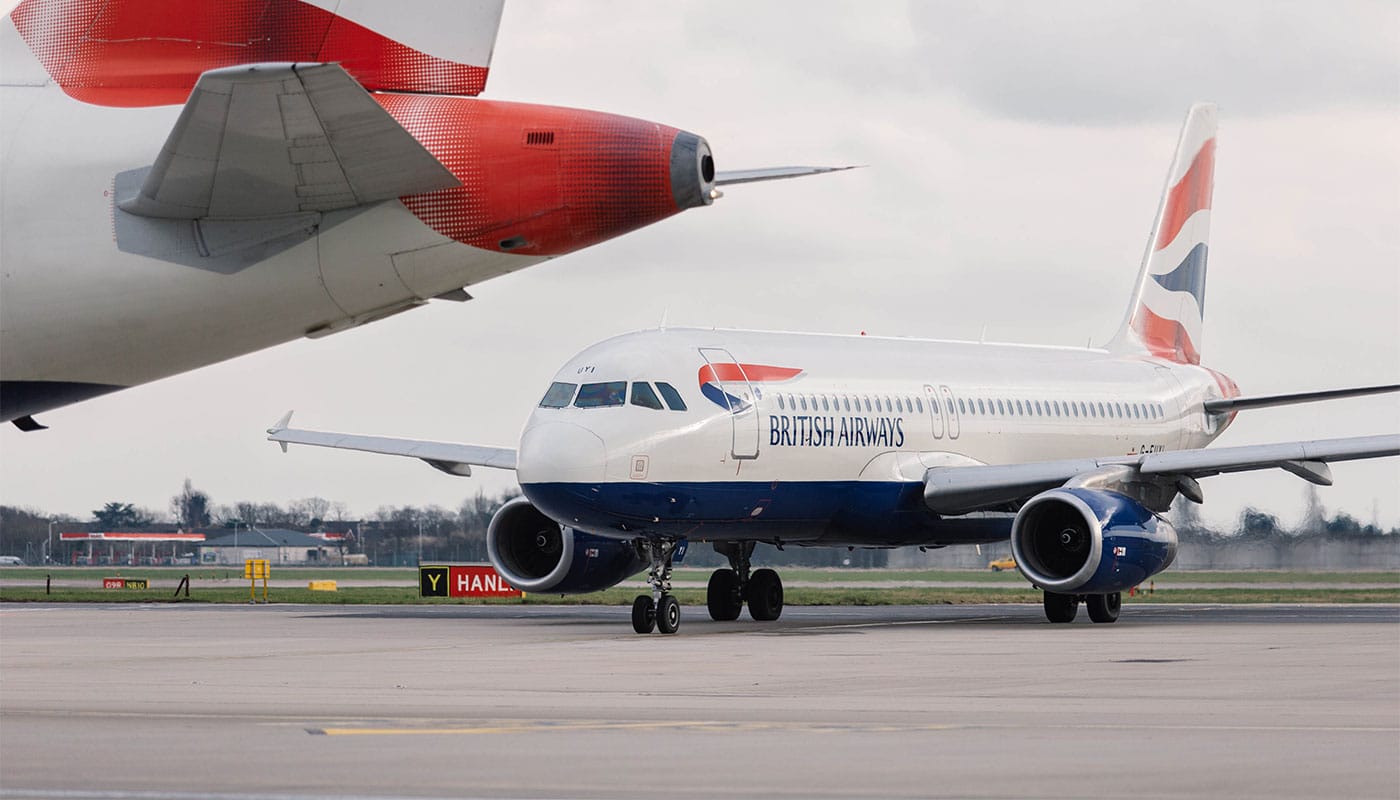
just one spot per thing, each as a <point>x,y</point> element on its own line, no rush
<point>642,395</point>
<point>673,397</point>
<point>559,395</point>
<point>597,395</point>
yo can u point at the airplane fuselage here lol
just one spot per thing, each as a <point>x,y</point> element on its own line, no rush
<point>826,439</point>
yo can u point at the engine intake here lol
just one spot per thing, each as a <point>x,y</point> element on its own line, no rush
<point>1089,541</point>
<point>536,554</point>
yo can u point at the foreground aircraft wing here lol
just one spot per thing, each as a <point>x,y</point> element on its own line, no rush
<point>266,140</point>
<point>960,490</point>
<point>727,177</point>
<point>454,459</point>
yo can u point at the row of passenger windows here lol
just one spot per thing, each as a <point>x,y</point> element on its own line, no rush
<point>986,407</point>
<point>614,393</point>
<point>1090,409</point>
<point>871,404</point>
<point>611,393</point>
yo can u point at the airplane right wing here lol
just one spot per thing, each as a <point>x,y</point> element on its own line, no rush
<point>961,490</point>
<point>270,140</point>
<point>454,459</point>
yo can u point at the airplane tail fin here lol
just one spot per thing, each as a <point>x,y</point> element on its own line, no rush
<point>1164,316</point>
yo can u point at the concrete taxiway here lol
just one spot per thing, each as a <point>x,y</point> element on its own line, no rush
<point>504,701</point>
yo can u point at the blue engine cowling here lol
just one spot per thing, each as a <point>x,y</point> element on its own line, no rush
<point>536,554</point>
<point>1089,541</point>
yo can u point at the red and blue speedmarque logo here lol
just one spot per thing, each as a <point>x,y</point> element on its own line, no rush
<point>713,376</point>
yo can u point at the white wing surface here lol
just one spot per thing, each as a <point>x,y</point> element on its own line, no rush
<point>960,490</point>
<point>452,458</point>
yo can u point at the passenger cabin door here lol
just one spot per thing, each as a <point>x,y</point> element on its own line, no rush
<point>724,383</point>
<point>935,410</point>
<point>950,410</point>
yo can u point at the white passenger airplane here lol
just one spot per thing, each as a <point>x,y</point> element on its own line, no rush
<point>660,437</point>
<point>324,165</point>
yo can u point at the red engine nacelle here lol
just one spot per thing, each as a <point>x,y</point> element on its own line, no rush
<point>544,181</point>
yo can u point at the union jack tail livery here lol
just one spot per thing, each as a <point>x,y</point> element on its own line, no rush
<point>1168,303</point>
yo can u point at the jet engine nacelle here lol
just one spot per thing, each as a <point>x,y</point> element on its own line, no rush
<point>545,180</point>
<point>536,554</point>
<point>1089,541</point>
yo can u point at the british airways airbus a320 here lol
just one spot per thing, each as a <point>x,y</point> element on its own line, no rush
<point>659,437</point>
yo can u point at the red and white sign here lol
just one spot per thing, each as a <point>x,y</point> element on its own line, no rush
<point>483,581</point>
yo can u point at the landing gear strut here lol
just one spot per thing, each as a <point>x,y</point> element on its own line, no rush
<point>1102,607</point>
<point>730,588</point>
<point>658,610</point>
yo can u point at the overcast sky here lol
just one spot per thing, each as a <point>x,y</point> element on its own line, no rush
<point>1016,155</point>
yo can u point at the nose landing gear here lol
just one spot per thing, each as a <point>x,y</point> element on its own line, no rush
<point>658,610</point>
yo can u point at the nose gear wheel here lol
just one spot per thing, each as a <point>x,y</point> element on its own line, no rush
<point>660,609</point>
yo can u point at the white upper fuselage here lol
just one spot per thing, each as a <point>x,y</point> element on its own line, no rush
<point>858,409</point>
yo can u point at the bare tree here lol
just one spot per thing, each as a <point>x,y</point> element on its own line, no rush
<point>309,511</point>
<point>190,507</point>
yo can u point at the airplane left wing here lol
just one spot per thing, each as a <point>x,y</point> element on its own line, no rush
<point>960,490</point>
<point>452,458</point>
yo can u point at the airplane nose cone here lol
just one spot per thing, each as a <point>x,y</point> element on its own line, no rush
<point>560,452</point>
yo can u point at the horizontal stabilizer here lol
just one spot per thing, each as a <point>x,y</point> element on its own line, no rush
<point>771,174</point>
<point>268,140</point>
<point>1266,401</point>
<point>452,458</point>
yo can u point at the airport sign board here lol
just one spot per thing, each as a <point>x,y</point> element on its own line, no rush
<point>463,580</point>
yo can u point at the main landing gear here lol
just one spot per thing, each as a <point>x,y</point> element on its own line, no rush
<point>658,610</point>
<point>1064,607</point>
<point>731,588</point>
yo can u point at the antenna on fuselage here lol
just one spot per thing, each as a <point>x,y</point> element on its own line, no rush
<point>665,312</point>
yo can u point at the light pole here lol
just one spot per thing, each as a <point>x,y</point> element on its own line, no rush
<point>420,541</point>
<point>49,555</point>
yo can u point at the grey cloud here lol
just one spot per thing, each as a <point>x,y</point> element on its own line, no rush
<point>1124,62</point>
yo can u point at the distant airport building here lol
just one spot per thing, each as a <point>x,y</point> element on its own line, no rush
<point>130,547</point>
<point>276,545</point>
